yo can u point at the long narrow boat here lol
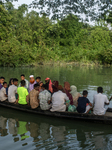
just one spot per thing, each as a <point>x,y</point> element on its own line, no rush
<point>106,119</point>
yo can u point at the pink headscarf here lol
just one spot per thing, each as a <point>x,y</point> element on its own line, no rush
<point>50,85</point>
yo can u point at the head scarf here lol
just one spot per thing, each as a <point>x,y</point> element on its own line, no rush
<point>67,86</point>
<point>74,91</point>
<point>55,86</point>
<point>50,85</point>
<point>67,90</point>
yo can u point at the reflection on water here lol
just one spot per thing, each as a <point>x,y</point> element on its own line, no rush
<point>27,131</point>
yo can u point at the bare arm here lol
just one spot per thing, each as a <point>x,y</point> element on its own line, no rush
<point>90,104</point>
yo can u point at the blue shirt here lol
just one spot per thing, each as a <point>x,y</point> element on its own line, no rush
<point>82,101</point>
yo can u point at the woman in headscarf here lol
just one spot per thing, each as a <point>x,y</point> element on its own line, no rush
<point>49,84</point>
<point>55,86</point>
<point>75,94</point>
<point>67,91</point>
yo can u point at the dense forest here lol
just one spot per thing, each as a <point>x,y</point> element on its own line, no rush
<point>28,37</point>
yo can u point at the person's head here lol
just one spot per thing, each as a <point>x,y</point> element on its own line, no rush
<point>2,80</point>
<point>15,81</point>
<point>22,77</point>
<point>36,86</point>
<point>5,84</point>
<point>85,93</point>
<point>44,87</point>
<point>11,81</point>
<point>100,90</point>
<point>32,80</point>
<point>47,80</point>
<point>60,87</point>
<point>38,79</point>
<point>41,83</point>
<point>23,83</point>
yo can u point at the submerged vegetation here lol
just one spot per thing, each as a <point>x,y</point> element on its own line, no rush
<point>26,37</point>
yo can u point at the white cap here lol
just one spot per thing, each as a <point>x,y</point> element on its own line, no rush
<point>31,76</point>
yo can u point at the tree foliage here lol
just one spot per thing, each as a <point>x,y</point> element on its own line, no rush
<point>26,37</point>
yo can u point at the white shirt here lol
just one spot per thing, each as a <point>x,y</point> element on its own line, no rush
<point>99,101</point>
<point>58,101</point>
<point>12,90</point>
<point>2,94</point>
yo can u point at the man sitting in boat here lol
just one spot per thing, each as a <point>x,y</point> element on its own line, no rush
<point>32,97</point>
<point>3,95</point>
<point>22,93</point>
<point>12,90</point>
<point>58,100</point>
<point>45,98</point>
<point>99,101</point>
<point>26,81</point>
<point>1,82</point>
<point>84,105</point>
<point>31,84</point>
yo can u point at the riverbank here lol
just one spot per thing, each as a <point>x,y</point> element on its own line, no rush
<point>62,63</point>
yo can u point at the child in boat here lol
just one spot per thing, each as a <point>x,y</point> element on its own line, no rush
<point>33,97</point>
<point>26,81</point>
<point>38,79</point>
<point>1,82</point>
<point>82,102</point>
<point>22,93</point>
<point>99,101</point>
<point>40,88</point>
<point>12,91</point>
<point>3,95</point>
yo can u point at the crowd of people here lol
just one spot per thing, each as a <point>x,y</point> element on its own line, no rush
<point>51,96</point>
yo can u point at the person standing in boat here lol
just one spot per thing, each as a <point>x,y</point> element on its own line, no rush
<point>67,91</point>
<point>58,100</point>
<point>31,84</point>
<point>49,85</point>
<point>75,94</point>
<point>12,91</point>
<point>99,101</point>
<point>22,93</point>
<point>84,105</point>
<point>1,82</point>
<point>32,97</point>
<point>26,81</point>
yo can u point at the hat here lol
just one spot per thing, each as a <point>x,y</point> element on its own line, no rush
<point>31,76</point>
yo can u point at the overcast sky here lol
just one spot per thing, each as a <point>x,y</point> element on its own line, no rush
<point>22,2</point>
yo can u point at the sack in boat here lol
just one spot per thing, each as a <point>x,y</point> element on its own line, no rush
<point>71,108</point>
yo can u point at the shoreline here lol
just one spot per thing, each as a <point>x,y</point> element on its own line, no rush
<point>61,63</point>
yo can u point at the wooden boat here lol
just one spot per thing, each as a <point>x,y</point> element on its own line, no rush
<point>106,119</point>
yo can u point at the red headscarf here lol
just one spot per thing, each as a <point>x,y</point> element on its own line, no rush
<point>67,90</point>
<point>50,85</point>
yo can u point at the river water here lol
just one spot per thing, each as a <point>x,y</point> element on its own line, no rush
<point>20,130</point>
